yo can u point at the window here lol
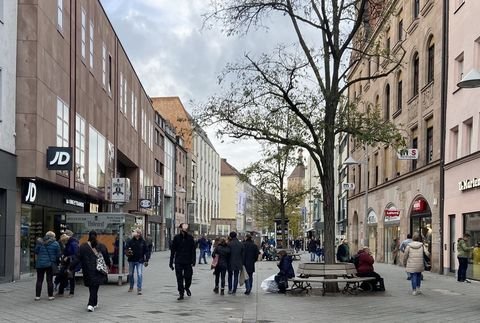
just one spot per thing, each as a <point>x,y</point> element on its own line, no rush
<point>109,73</point>
<point>431,62</point>
<point>96,159</point>
<point>399,93</point>
<point>79,148</point>
<point>386,114</point>
<point>467,137</point>
<point>59,14</point>
<point>416,70</point>
<point>157,166</point>
<point>132,107</point>
<point>161,169</point>
<point>414,145</point>
<point>84,33</point>
<point>92,31</point>
<point>125,97</point>
<point>377,63</point>
<point>135,116</point>
<point>453,143</point>
<point>121,92</point>
<point>387,45</point>
<point>429,152</point>
<point>416,8</point>
<point>459,68</point>
<point>400,30</point>
<point>62,123</point>
<point>142,124</point>
<point>104,65</point>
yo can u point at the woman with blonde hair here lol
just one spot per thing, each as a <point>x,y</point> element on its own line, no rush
<point>413,258</point>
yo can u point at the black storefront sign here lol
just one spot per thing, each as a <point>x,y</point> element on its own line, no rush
<point>59,158</point>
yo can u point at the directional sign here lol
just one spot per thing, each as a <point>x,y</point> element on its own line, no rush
<point>348,186</point>
<point>145,204</point>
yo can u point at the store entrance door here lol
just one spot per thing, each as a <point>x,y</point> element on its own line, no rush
<point>452,245</point>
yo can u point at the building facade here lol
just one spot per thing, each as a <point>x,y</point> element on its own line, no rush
<point>83,118</point>
<point>462,150</point>
<point>8,59</point>
<point>403,195</point>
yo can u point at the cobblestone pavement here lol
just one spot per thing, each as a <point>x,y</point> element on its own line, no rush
<point>443,300</point>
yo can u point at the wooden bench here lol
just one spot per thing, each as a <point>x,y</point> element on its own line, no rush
<point>309,273</point>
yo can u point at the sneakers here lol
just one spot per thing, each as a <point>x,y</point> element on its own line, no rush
<point>189,293</point>
<point>130,290</point>
<point>222,291</point>
<point>139,291</point>
<point>230,292</point>
<point>467,281</point>
<point>419,291</point>
<point>37,298</point>
<point>51,298</point>
<point>215,290</point>
<point>414,293</point>
<point>90,308</point>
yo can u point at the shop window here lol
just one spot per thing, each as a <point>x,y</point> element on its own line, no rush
<point>62,123</point>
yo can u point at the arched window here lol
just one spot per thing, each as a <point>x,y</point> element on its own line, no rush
<point>386,110</point>
<point>399,91</point>
<point>415,74</point>
<point>430,60</point>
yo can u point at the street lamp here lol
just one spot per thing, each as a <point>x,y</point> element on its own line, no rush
<point>471,80</point>
<point>348,162</point>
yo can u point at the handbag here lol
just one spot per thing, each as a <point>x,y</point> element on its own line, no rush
<point>53,264</point>
<point>101,264</point>
<point>426,261</point>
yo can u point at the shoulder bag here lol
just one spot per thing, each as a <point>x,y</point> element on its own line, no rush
<point>101,264</point>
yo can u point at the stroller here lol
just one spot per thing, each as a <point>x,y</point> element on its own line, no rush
<point>270,253</point>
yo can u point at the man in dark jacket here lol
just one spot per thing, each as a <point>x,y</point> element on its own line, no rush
<point>182,252</point>
<point>69,254</point>
<point>138,255</point>
<point>250,256</point>
<point>235,263</point>
<point>203,246</point>
<point>343,252</point>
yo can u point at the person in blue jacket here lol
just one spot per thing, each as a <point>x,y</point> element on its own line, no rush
<point>286,271</point>
<point>69,253</point>
<point>47,251</point>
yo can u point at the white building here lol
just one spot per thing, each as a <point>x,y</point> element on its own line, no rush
<point>205,181</point>
<point>8,169</point>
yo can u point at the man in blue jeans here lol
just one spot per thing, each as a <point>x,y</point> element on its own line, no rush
<point>138,255</point>
<point>235,263</point>
<point>203,246</point>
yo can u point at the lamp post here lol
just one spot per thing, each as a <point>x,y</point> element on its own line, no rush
<point>348,162</point>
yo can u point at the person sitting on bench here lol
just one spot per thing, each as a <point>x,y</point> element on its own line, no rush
<point>286,271</point>
<point>364,264</point>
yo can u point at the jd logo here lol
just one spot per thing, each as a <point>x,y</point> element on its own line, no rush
<point>59,158</point>
<point>31,193</point>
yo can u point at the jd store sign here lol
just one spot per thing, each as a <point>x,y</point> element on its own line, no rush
<point>59,158</point>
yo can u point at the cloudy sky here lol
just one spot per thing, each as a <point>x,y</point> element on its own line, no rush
<point>174,56</point>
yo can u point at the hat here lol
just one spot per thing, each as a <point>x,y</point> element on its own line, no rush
<point>69,233</point>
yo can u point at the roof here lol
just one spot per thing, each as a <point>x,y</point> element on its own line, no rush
<point>298,172</point>
<point>227,169</point>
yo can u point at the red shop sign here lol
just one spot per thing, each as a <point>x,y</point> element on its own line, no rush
<point>419,205</point>
<point>392,213</point>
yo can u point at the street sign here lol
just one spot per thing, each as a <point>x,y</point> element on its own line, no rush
<point>348,186</point>
<point>407,154</point>
<point>120,190</point>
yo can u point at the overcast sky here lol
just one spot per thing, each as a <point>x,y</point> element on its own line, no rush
<point>173,56</point>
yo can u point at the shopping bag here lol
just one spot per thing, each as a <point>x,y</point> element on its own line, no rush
<point>269,285</point>
<point>214,262</point>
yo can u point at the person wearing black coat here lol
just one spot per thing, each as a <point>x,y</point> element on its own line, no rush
<point>235,263</point>
<point>92,278</point>
<point>138,254</point>
<point>250,257</point>
<point>222,251</point>
<point>182,252</point>
<point>286,271</point>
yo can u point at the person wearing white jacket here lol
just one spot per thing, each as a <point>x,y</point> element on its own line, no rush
<point>413,258</point>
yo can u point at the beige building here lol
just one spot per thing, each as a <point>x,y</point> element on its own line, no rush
<point>403,195</point>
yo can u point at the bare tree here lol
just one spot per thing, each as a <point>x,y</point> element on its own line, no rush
<point>297,95</point>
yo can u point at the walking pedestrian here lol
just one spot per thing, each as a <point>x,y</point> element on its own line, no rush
<point>222,251</point>
<point>47,251</point>
<point>312,248</point>
<point>69,253</point>
<point>250,257</point>
<point>138,255</point>
<point>403,246</point>
<point>235,263</point>
<point>203,246</point>
<point>182,253</point>
<point>413,258</point>
<point>463,254</point>
<point>87,256</point>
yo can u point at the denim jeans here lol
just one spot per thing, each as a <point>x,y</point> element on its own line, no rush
<point>233,280</point>
<point>131,270</point>
<point>203,252</point>
<point>312,256</point>
<point>416,280</point>
<point>462,269</point>
<point>249,282</point>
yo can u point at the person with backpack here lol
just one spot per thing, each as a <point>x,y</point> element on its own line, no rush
<point>363,261</point>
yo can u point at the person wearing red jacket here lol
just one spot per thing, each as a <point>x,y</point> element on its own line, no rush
<point>364,265</point>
